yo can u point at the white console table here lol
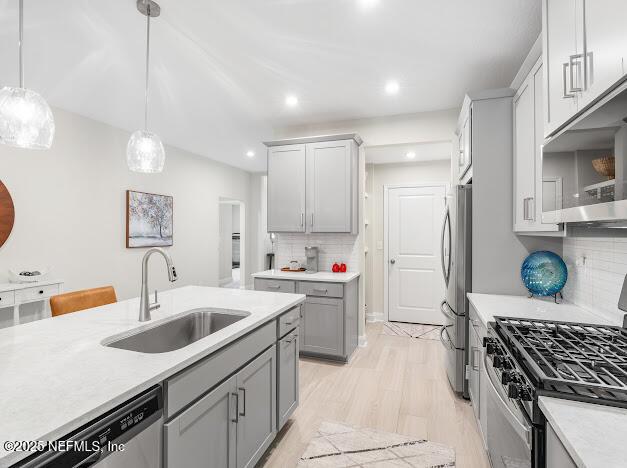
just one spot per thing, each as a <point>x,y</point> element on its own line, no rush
<point>13,295</point>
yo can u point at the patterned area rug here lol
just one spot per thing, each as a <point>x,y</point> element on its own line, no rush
<point>338,445</point>
<point>412,330</point>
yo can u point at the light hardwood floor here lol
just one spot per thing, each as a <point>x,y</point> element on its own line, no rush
<point>395,384</point>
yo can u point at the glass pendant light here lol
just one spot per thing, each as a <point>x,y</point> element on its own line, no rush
<point>144,152</point>
<point>26,120</point>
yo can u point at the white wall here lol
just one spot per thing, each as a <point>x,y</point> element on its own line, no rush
<point>70,209</point>
<point>235,219</point>
<point>400,129</point>
<point>380,175</point>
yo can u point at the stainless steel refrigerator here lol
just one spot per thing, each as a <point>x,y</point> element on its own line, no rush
<point>456,254</point>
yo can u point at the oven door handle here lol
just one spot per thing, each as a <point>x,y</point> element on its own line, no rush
<point>521,427</point>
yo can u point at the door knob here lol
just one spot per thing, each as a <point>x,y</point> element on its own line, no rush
<point>392,261</point>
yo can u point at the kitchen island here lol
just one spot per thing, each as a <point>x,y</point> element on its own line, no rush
<point>57,375</point>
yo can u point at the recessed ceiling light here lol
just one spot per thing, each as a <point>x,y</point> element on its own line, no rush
<point>368,4</point>
<point>392,87</point>
<point>411,155</point>
<point>291,100</point>
<point>250,154</point>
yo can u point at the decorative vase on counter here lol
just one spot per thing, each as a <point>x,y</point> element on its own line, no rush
<point>544,273</point>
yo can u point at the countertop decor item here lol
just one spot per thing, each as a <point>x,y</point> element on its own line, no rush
<point>7,214</point>
<point>544,273</point>
<point>28,275</point>
<point>26,120</point>
<point>605,166</point>
<point>297,270</point>
<point>149,220</point>
<point>144,152</point>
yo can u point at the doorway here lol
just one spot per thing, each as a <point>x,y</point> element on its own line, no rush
<point>414,283</point>
<point>231,244</point>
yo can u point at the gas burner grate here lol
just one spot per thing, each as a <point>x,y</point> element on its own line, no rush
<point>568,357</point>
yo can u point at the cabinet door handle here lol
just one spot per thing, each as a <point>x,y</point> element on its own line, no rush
<point>564,82</point>
<point>243,390</point>
<point>273,287</point>
<point>473,358</point>
<point>236,395</point>
<point>528,214</point>
<point>312,220</point>
<point>575,62</point>
<point>324,291</point>
<point>302,220</point>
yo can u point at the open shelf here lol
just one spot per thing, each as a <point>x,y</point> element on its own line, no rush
<point>602,189</point>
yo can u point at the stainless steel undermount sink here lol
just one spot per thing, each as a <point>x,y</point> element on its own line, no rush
<point>179,332</point>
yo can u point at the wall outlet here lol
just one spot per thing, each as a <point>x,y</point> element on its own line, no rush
<point>379,245</point>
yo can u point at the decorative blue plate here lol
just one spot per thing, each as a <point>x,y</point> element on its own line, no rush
<point>544,273</point>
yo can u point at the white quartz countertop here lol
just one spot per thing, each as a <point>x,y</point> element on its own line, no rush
<point>55,375</point>
<point>324,276</point>
<point>593,435</point>
<point>490,305</point>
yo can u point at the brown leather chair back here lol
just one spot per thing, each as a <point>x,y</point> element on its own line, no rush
<point>81,300</point>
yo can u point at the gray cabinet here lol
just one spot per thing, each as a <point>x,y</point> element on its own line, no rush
<point>287,377</point>
<point>322,326</point>
<point>475,372</point>
<point>329,186</point>
<point>204,435</point>
<point>474,367</point>
<point>528,141</point>
<point>328,323</point>
<point>256,408</point>
<point>313,185</point>
<point>286,188</point>
<point>585,47</point>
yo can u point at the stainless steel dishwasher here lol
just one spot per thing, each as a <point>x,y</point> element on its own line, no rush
<point>136,425</point>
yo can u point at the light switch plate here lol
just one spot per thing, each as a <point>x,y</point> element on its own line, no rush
<point>379,245</point>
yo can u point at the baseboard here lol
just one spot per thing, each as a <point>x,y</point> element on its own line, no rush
<point>375,317</point>
<point>363,341</point>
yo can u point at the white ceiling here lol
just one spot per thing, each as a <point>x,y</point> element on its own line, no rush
<point>221,68</point>
<point>430,151</point>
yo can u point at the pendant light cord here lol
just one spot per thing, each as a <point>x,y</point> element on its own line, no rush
<point>147,61</point>
<point>21,42</point>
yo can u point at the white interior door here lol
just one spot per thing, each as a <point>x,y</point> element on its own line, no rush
<point>415,280</point>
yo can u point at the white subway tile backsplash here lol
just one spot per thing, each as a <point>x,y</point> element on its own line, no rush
<point>341,248</point>
<point>596,270</point>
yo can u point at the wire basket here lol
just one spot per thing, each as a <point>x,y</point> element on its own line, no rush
<point>605,166</point>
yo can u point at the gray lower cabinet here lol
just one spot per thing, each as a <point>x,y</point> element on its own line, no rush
<point>204,435</point>
<point>231,426</point>
<point>256,414</point>
<point>556,454</point>
<point>322,327</point>
<point>287,384</point>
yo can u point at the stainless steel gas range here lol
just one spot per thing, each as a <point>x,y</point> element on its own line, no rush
<point>528,358</point>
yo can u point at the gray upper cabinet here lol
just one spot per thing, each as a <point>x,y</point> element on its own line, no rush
<point>313,185</point>
<point>204,435</point>
<point>322,327</point>
<point>256,414</point>
<point>585,51</point>
<point>329,186</point>
<point>562,76</point>
<point>528,139</point>
<point>286,188</point>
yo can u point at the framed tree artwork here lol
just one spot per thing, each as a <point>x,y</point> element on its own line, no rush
<point>149,220</point>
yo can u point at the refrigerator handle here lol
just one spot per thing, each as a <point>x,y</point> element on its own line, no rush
<point>446,268</point>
